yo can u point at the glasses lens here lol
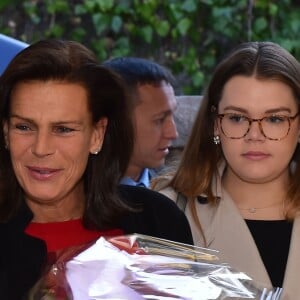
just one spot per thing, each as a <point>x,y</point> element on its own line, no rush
<point>275,127</point>
<point>234,125</point>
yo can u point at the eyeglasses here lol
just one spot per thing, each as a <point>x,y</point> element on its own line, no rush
<point>274,127</point>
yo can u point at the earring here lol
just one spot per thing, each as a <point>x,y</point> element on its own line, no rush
<point>96,151</point>
<point>217,140</point>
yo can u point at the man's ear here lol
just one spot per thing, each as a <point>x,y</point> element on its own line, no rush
<point>98,136</point>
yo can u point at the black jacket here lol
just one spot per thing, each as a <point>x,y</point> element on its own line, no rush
<point>22,256</point>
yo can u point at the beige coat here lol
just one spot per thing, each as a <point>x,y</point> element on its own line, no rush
<point>226,231</point>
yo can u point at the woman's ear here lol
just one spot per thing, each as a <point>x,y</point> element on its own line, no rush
<point>98,136</point>
<point>216,128</point>
<point>298,132</point>
<point>5,131</point>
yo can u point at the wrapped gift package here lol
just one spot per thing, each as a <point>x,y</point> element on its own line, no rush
<point>142,267</point>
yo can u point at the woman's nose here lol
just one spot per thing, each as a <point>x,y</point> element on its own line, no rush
<point>255,131</point>
<point>42,144</point>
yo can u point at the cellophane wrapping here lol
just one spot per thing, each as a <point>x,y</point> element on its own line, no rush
<point>143,267</point>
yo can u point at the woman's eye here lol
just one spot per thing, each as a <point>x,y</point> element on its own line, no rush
<point>275,119</point>
<point>236,118</point>
<point>22,127</point>
<point>62,129</point>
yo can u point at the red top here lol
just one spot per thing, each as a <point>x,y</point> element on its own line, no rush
<point>61,235</point>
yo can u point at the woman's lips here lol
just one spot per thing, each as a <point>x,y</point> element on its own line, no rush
<point>255,155</point>
<point>39,173</point>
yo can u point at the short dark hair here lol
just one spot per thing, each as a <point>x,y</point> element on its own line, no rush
<point>71,62</point>
<point>138,71</point>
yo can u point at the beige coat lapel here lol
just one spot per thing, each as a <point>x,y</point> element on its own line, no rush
<point>291,284</point>
<point>233,248</point>
<point>226,231</point>
<point>238,248</point>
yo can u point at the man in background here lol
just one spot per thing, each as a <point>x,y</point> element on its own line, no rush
<point>150,86</point>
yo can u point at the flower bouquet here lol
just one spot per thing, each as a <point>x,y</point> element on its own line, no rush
<point>142,267</point>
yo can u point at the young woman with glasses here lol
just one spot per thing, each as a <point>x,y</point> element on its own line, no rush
<point>240,172</point>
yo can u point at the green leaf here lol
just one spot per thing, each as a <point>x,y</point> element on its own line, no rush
<point>175,12</point>
<point>105,5</point>
<point>174,33</point>
<point>101,22</point>
<point>122,42</point>
<point>183,26</point>
<point>295,25</point>
<point>57,6</point>
<point>208,61</point>
<point>189,5</point>
<point>55,32</point>
<point>99,47</point>
<point>78,34</point>
<point>273,9</point>
<point>4,3</point>
<point>162,28</point>
<point>261,4</point>
<point>80,9</point>
<point>122,47</point>
<point>198,78</point>
<point>147,33</point>
<point>90,5</point>
<point>288,44</point>
<point>116,24</point>
<point>123,6</point>
<point>221,12</point>
<point>260,24</point>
